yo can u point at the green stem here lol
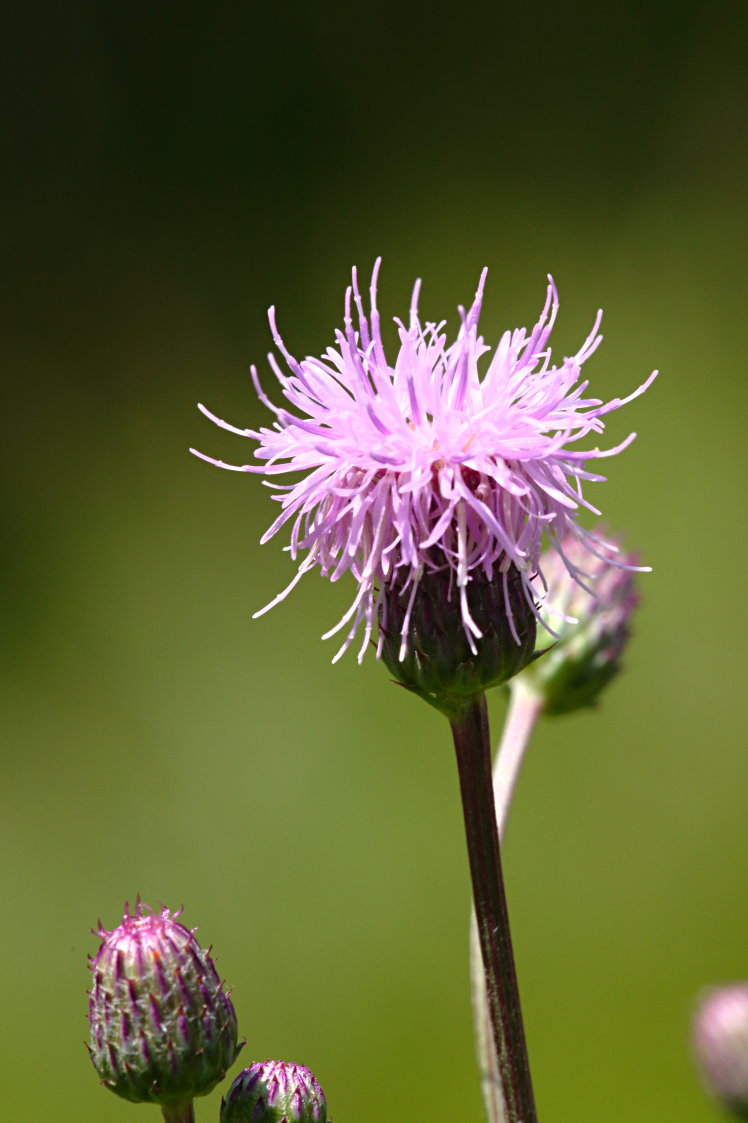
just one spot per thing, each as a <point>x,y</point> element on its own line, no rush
<point>473,749</point>
<point>525,707</point>
<point>179,1113</point>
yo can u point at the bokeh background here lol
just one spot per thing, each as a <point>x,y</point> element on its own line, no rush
<point>171,171</point>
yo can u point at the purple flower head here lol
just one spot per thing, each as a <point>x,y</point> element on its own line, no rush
<point>454,459</point>
<point>720,1045</point>
<point>274,1092</point>
<point>163,1028</point>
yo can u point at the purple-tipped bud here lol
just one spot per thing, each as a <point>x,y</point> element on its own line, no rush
<point>163,1029</point>
<point>587,654</point>
<point>274,1092</point>
<point>720,1045</point>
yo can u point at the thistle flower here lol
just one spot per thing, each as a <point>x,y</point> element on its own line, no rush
<point>274,1092</point>
<point>595,610</point>
<point>426,466</point>
<point>720,1045</point>
<point>163,1029</point>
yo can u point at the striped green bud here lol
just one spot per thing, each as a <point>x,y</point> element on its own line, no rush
<point>163,1028</point>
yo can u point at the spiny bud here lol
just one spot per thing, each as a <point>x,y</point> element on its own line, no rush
<point>163,1029</point>
<point>720,1045</point>
<point>427,647</point>
<point>587,654</point>
<point>274,1092</point>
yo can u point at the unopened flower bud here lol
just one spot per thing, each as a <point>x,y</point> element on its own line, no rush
<point>274,1092</point>
<point>720,1045</point>
<point>163,1029</point>
<point>587,654</point>
<point>427,647</point>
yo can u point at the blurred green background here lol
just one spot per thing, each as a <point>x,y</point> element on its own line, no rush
<point>172,170</point>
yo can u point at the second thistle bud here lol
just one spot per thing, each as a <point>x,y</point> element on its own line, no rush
<point>587,654</point>
<point>426,647</point>
<point>163,1029</point>
<point>275,1092</point>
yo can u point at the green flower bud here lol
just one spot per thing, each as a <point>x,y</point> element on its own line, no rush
<point>163,1029</point>
<point>274,1092</point>
<point>587,655</point>
<point>427,647</point>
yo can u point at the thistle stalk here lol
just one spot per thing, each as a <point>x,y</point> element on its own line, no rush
<point>179,1113</point>
<point>473,750</point>
<point>525,707</point>
<point>570,676</point>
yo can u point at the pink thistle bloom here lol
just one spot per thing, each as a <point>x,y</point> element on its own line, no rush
<point>427,464</point>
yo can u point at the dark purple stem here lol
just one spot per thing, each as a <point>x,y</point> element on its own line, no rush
<point>473,749</point>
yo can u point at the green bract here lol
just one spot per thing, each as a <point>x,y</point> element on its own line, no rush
<point>441,662</point>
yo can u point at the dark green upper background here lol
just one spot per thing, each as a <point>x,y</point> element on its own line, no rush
<point>169,174</point>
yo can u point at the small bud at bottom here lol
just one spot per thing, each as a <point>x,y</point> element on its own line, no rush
<point>274,1092</point>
